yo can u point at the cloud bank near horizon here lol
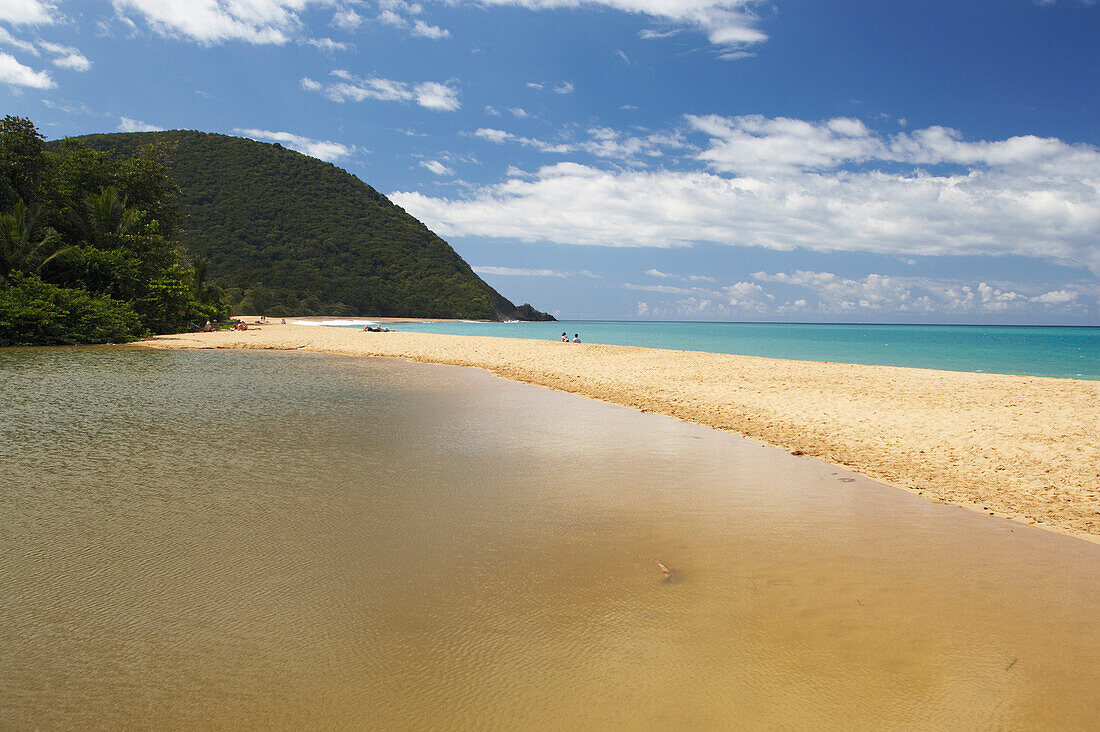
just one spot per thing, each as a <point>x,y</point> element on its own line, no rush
<point>784,184</point>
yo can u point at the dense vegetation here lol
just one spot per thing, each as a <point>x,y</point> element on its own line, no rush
<point>286,234</point>
<point>89,245</point>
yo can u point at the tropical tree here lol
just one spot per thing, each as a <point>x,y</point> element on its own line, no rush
<point>104,218</point>
<point>26,245</point>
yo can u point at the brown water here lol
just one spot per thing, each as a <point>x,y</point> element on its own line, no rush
<point>229,539</point>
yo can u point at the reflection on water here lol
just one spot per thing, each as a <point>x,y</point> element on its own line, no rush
<point>227,539</point>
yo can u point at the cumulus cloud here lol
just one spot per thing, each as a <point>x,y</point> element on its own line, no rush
<point>726,23</point>
<point>16,74</point>
<point>686,278</point>
<point>125,124</point>
<point>346,19</point>
<point>525,272</point>
<point>436,167</point>
<point>66,56</point>
<point>827,294</point>
<point>602,142</point>
<point>784,184</point>
<point>27,12</point>
<point>348,87</point>
<point>7,39</point>
<point>835,294</point>
<point>424,30</point>
<point>321,149</point>
<point>327,44</point>
<point>396,13</point>
<point>517,272</point>
<point>217,21</point>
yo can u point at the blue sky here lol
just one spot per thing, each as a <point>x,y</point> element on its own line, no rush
<point>856,161</point>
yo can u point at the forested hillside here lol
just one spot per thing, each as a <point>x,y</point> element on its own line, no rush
<point>284,233</point>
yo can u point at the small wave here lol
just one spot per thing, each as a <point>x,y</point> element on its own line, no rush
<point>338,323</point>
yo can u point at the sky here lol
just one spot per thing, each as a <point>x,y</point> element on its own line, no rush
<point>908,161</point>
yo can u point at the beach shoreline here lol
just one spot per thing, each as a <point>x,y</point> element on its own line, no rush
<point>1018,447</point>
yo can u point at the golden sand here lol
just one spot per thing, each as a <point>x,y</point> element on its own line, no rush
<point>1025,448</point>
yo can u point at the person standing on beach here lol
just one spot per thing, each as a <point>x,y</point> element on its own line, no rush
<point>576,338</point>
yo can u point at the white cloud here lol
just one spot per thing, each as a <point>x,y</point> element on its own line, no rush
<point>436,167</point>
<point>783,184</point>
<point>125,124</point>
<point>827,294</point>
<point>663,289</point>
<point>424,30</point>
<point>1056,297</point>
<point>524,272</point>
<point>649,34</point>
<point>685,278</point>
<point>602,142</point>
<point>497,136</point>
<point>218,21</point>
<point>726,23</point>
<point>882,293</point>
<point>346,19</point>
<point>519,112</point>
<point>564,87</point>
<point>394,12</point>
<point>753,143</point>
<point>517,272</point>
<point>27,12</point>
<point>14,73</point>
<point>434,95</point>
<point>327,44</point>
<point>67,57</point>
<point>7,39</point>
<point>430,94</point>
<point>321,149</point>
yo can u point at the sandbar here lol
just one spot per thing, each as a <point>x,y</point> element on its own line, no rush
<point>1018,447</point>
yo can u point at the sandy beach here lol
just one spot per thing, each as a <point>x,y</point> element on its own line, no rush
<point>1017,447</point>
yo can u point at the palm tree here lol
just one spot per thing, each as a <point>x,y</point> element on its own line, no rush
<point>105,216</point>
<point>25,245</point>
<point>204,293</point>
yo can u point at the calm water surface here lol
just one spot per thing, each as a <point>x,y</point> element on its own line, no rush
<point>230,539</point>
<point>1065,352</point>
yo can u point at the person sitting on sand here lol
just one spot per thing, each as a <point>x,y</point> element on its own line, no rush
<point>576,338</point>
<point>284,321</point>
<point>207,328</point>
<point>564,338</point>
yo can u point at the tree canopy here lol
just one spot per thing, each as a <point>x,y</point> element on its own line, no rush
<point>89,245</point>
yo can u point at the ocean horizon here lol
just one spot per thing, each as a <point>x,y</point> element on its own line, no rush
<point>1027,350</point>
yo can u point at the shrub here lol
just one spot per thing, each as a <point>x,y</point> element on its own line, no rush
<point>33,312</point>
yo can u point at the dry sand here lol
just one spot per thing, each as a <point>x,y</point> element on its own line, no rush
<point>1025,448</point>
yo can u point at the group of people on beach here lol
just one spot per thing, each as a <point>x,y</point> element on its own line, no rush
<point>234,324</point>
<point>565,338</point>
<point>375,329</point>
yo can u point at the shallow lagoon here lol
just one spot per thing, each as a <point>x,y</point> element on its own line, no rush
<point>228,538</point>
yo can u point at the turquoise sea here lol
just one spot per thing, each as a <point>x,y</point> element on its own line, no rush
<point>1069,352</point>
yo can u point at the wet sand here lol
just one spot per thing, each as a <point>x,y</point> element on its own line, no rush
<point>1023,448</point>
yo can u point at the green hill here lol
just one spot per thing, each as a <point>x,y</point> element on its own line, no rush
<point>285,233</point>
